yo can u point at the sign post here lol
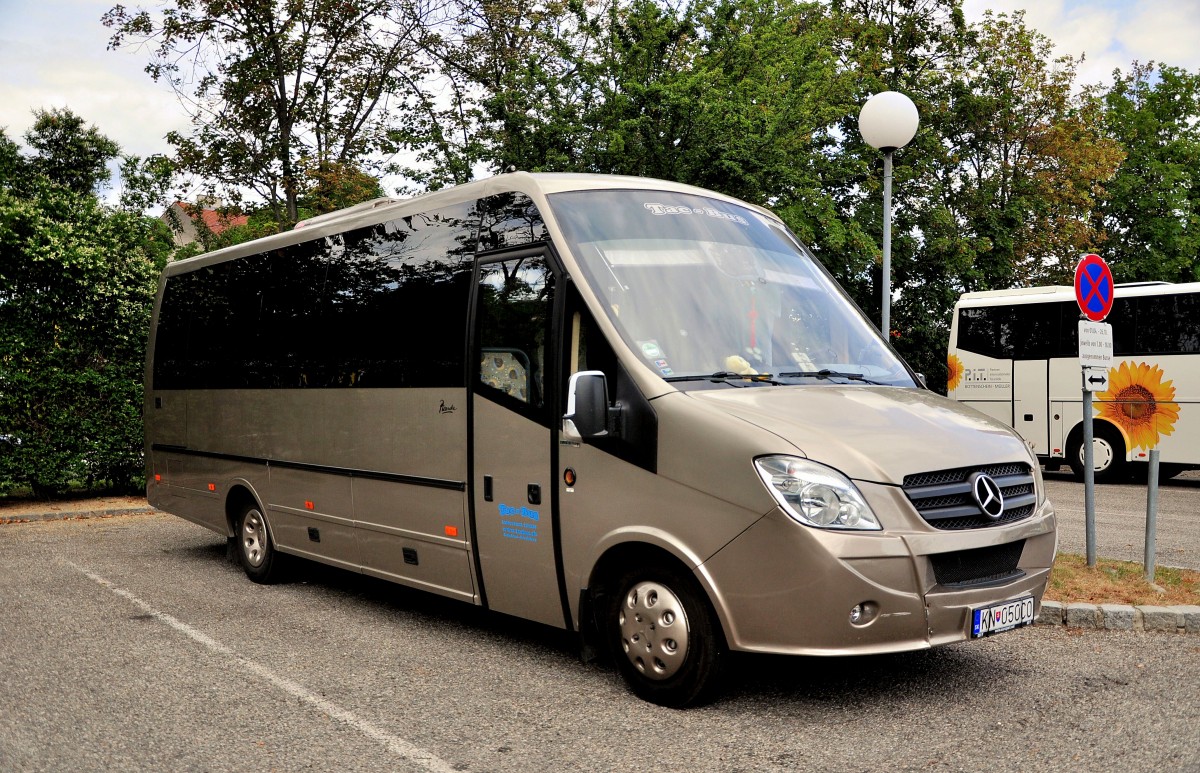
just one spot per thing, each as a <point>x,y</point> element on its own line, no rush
<point>1151,516</point>
<point>1094,294</point>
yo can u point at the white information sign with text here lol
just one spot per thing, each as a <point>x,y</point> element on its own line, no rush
<point>1095,344</point>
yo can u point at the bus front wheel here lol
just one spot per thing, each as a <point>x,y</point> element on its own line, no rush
<point>255,549</point>
<point>664,636</point>
<point>1108,452</point>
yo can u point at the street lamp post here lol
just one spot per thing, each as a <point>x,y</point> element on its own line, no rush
<point>888,122</point>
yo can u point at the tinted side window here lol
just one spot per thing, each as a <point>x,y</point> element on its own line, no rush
<point>224,348</point>
<point>170,342</point>
<point>1033,330</point>
<point>1167,324</point>
<point>384,306</point>
<point>514,312</point>
<point>591,351</point>
<point>397,302</point>
<point>979,331</point>
<point>509,220</point>
<point>1187,323</point>
<point>293,318</point>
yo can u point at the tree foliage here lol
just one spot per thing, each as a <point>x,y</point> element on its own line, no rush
<point>77,281</point>
<point>1016,169</point>
<point>275,85</point>
<point>1000,185</point>
<point>1151,210</point>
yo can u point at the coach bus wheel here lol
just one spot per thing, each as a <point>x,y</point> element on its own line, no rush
<point>664,637</point>
<point>254,547</point>
<point>1108,453</point>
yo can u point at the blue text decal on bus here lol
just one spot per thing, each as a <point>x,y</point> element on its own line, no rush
<point>522,530</point>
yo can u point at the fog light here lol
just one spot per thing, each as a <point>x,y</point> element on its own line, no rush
<point>864,613</point>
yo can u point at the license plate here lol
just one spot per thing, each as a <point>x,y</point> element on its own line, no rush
<point>1002,617</point>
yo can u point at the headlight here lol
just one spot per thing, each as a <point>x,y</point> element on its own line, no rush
<point>815,495</point>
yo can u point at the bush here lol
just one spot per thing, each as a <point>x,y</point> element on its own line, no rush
<point>77,284</point>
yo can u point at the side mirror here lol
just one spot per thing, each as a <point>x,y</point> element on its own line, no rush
<point>587,406</point>
<point>921,380</point>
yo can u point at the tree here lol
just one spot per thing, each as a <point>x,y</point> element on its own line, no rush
<point>999,187</point>
<point>69,153</point>
<point>13,168</point>
<point>77,282</point>
<point>145,182</point>
<point>334,186</point>
<point>884,45</point>
<point>275,85</point>
<point>1151,208</point>
<point>514,80</point>
<point>1030,158</point>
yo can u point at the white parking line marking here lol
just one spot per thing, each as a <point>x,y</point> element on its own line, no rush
<point>398,746</point>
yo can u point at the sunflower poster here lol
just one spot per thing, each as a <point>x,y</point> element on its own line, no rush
<point>954,368</point>
<point>1140,402</point>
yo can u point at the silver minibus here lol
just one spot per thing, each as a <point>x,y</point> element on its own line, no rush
<point>636,410</point>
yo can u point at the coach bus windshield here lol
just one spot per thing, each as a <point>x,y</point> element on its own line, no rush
<point>699,287</point>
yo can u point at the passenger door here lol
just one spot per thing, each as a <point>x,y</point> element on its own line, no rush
<point>1031,403</point>
<point>513,407</point>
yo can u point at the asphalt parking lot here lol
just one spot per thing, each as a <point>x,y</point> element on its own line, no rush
<point>132,643</point>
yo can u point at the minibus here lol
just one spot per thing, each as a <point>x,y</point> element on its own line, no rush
<point>636,410</point>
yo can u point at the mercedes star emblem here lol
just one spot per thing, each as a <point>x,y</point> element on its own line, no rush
<point>987,495</point>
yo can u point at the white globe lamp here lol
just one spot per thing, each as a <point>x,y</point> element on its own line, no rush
<point>888,121</point>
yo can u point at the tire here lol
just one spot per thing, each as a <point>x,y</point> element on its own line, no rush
<point>664,637</point>
<point>254,547</point>
<point>1108,453</point>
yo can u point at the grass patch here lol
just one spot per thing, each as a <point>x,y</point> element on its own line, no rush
<point>1120,582</point>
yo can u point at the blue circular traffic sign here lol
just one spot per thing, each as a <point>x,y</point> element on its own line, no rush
<point>1094,287</point>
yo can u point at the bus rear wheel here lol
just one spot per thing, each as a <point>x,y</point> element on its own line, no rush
<point>255,549</point>
<point>664,637</point>
<point>1108,453</point>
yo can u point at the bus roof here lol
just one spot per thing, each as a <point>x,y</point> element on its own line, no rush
<point>1055,293</point>
<point>384,209</point>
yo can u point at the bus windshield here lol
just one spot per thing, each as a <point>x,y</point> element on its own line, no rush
<point>700,287</point>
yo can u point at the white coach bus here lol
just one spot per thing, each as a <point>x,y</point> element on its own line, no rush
<point>1014,355</point>
<point>635,410</point>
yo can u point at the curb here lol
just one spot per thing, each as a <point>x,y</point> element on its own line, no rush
<point>75,515</point>
<point>1120,617</point>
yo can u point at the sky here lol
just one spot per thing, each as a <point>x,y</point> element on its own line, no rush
<point>53,53</point>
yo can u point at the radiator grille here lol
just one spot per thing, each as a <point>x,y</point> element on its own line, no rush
<point>944,498</point>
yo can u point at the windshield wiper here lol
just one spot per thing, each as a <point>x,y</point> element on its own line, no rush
<point>726,375</point>
<point>827,373</point>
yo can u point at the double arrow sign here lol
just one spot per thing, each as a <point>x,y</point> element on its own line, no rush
<point>1094,381</point>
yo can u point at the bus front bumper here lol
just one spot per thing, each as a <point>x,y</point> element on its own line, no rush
<point>784,588</point>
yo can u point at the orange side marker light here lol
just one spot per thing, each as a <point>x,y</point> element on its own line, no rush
<point>451,531</point>
<point>308,505</point>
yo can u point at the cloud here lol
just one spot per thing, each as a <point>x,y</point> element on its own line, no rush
<point>1166,31</point>
<point>1110,34</point>
<point>55,55</point>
